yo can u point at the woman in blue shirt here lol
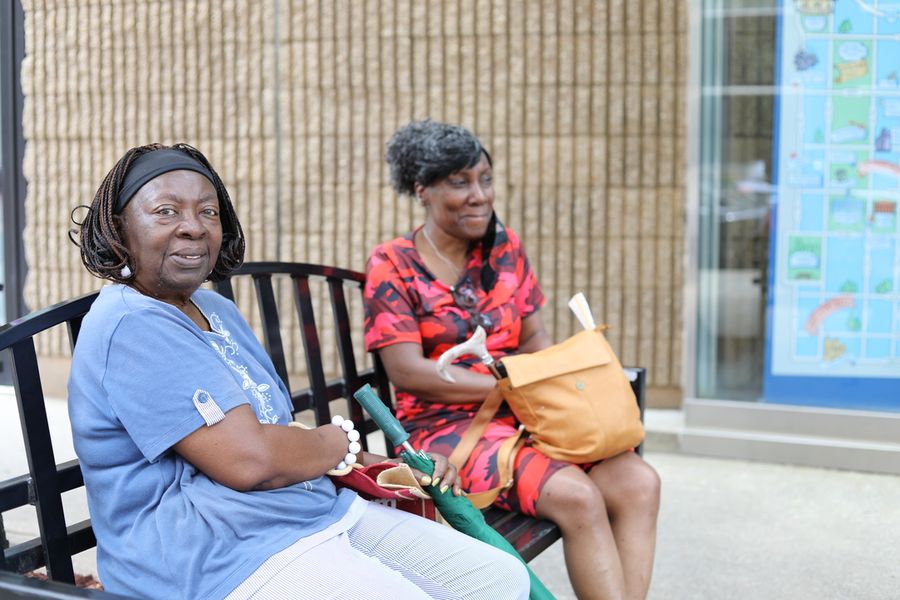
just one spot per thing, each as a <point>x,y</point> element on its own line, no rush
<point>196,487</point>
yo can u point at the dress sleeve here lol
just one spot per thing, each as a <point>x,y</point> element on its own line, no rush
<point>528,296</point>
<point>390,314</point>
<point>160,376</point>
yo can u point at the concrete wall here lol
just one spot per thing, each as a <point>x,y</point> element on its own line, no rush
<point>581,103</point>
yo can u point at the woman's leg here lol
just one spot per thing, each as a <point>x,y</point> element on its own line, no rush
<point>630,489</point>
<point>334,570</point>
<point>573,501</point>
<point>392,554</point>
<point>441,561</point>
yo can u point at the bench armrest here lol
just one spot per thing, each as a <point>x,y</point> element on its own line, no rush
<point>638,378</point>
<point>13,585</point>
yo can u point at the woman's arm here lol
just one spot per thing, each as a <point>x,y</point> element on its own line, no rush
<point>411,372</point>
<point>244,454</point>
<point>533,336</point>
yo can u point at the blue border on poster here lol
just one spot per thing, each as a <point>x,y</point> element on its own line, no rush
<point>834,392</point>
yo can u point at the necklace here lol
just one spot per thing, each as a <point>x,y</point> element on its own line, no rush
<point>447,261</point>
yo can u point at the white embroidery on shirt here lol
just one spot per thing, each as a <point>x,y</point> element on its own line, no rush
<point>228,350</point>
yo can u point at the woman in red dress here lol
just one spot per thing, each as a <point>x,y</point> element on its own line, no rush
<point>426,292</point>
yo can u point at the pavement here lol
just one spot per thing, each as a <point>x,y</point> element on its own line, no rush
<point>728,529</point>
<point>731,529</point>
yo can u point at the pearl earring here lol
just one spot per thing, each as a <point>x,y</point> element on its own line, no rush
<point>125,273</point>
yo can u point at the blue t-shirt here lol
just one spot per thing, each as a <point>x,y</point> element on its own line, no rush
<point>143,377</point>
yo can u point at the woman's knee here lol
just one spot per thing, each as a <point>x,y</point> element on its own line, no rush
<point>645,485</point>
<point>570,496</point>
<point>632,485</point>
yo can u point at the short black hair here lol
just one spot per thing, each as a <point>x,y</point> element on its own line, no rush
<point>428,151</point>
<point>99,235</point>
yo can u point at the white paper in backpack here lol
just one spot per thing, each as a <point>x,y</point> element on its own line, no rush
<point>579,305</point>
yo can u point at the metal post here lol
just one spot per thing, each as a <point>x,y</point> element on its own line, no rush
<point>12,146</point>
<point>4,544</point>
<point>12,179</point>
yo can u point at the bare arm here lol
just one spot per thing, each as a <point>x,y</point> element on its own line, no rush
<point>533,336</point>
<point>411,372</point>
<point>244,454</point>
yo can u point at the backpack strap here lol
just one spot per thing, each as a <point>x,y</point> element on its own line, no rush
<point>506,454</point>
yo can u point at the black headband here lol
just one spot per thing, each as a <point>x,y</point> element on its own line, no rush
<point>153,164</point>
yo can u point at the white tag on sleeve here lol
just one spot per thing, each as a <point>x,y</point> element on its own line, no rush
<point>207,407</point>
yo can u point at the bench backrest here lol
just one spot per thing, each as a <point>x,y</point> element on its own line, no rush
<point>306,282</point>
<point>46,480</point>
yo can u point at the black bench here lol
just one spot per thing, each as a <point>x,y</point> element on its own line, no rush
<point>529,536</point>
<point>46,481</point>
<point>286,332</point>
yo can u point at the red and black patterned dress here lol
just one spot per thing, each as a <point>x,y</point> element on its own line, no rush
<point>405,302</point>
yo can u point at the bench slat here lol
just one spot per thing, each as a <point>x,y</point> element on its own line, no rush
<point>41,462</point>
<point>268,312</point>
<point>15,492</point>
<point>527,535</point>
<point>18,491</point>
<point>16,587</point>
<point>310,336</point>
<point>345,351</point>
<point>30,555</point>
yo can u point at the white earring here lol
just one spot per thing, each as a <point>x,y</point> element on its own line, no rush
<point>125,273</point>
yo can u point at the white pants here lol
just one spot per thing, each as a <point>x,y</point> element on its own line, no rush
<point>391,554</point>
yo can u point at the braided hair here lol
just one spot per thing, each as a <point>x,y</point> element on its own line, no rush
<point>99,235</point>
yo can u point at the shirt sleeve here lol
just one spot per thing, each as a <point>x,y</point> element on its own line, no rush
<point>157,369</point>
<point>390,314</point>
<point>528,296</point>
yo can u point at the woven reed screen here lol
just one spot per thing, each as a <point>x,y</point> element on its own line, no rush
<point>581,103</point>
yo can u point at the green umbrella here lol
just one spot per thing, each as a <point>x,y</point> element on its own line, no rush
<point>456,510</point>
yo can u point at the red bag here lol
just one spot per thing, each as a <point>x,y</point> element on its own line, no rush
<point>387,483</point>
<point>391,484</point>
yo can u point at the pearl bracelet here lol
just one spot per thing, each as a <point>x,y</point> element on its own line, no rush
<point>353,445</point>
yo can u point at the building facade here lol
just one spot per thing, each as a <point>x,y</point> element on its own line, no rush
<point>581,104</point>
<point>714,175</point>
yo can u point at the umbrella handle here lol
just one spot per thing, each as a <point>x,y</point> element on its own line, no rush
<point>382,416</point>
<point>476,345</point>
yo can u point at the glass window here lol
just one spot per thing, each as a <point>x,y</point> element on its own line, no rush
<point>799,298</point>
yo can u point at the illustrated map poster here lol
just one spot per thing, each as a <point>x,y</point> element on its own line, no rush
<point>835,264</point>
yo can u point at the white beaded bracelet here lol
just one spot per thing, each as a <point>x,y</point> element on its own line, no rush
<point>353,445</point>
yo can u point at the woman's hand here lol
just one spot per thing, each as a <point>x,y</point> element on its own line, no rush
<point>445,476</point>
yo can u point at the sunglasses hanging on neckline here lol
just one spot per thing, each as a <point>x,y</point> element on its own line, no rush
<point>465,298</point>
